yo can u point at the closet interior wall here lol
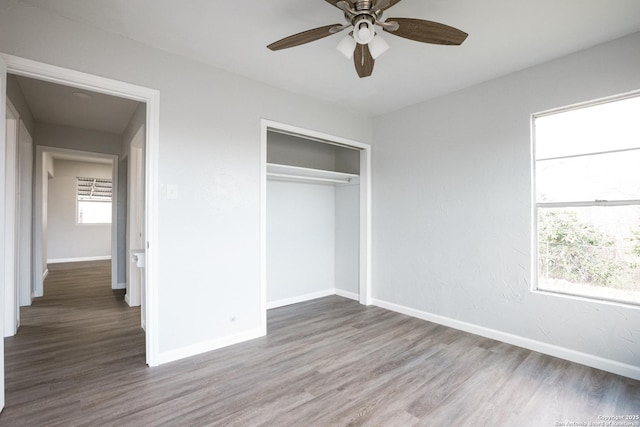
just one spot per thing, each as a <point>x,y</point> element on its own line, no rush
<point>313,216</point>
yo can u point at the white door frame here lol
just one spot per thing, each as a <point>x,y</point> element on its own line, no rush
<point>151,97</point>
<point>135,222</point>
<point>3,123</point>
<point>11,307</point>
<point>365,205</point>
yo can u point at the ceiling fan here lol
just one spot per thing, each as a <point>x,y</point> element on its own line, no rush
<point>363,43</point>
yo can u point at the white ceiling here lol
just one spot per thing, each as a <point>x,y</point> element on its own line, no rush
<point>57,104</point>
<point>504,36</point>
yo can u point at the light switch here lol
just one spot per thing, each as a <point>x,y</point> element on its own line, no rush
<point>172,191</point>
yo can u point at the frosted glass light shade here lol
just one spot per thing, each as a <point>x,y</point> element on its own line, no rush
<point>378,46</point>
<point>363,31</point>
<point>346,46</point>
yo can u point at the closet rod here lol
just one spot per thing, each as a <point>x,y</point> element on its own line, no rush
<point>308,178</point>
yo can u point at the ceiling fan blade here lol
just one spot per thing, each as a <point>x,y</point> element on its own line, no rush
<point>363,60</point>
<point>303,37</point>
<point>427,31</point>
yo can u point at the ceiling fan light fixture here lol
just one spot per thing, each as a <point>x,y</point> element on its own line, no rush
<point>346,46</point>
<point>363,31</point>
<point>378,46</point>
<point>363,44</point>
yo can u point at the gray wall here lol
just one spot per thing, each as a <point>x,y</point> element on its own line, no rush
<point>313,244</point>
<point>452,208</point>
<point>347,230</point>
<point>297,151</point>
<point>300,239</point>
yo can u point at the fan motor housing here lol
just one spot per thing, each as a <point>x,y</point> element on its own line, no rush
<point>368,16</point>
<point>363,5</point>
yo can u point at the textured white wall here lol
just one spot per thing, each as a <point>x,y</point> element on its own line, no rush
<point>313,234</point>
<point>66,239</point>
<point>300,239</point>
<point>209,250</point>
<point>452,206</point>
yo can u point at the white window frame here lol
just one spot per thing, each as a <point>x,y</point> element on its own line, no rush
<point>536,205</point>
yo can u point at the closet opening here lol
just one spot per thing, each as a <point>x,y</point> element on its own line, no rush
<point>315,217</point>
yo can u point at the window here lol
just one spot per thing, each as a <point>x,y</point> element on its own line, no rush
<point>587,200</point>
<point>94,200</point>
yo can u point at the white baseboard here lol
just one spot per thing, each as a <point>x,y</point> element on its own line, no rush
<point>347,294</point>
<point>195,349</point>
<point>311,296</point>
<point>192,350</point>
<point>79,259</point>
<point>300,298</point>
<point>127,299</point>
<point>119,286</point>
<point>593,361</point>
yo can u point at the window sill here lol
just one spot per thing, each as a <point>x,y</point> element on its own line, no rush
<point>608,300</point>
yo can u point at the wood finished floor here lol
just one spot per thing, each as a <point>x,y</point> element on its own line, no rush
<point>78,360</point>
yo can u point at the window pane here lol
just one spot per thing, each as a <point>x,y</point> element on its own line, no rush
<point>613,176</point>
<point>605,127</point>
<point>591,251</point>
<point>94,212</point>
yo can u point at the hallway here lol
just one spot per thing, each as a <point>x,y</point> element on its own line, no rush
<point>72,346</point>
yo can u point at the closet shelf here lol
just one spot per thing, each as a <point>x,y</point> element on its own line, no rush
<point>297,173</point>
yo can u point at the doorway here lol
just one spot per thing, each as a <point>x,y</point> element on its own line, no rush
<point>69,225</point>
<point>150,97</point>
<point>347,187</point>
